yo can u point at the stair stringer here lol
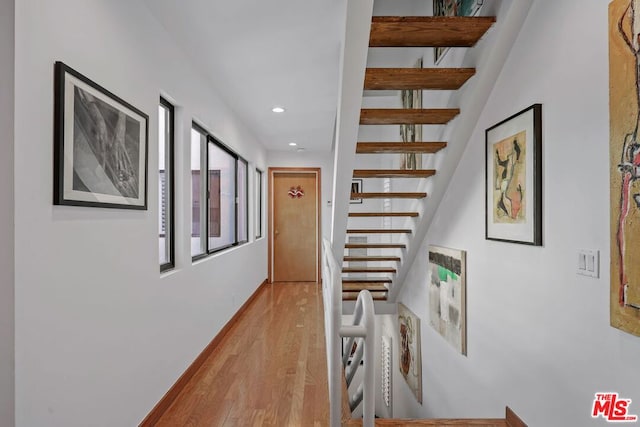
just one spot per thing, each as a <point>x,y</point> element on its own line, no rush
<point>352,70</point>
<point>491,54</point>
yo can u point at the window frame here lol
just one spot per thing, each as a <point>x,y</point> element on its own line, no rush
<point>246,200</point>
<point>204,226</point>
<point>169,177</point>
<point>205,192</point>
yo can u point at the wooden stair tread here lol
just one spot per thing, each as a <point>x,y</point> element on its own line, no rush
<point>370,288</point>
<point>371,258</point>
<point>368,270</point>
<point>408,116</point>
<point>399,147</point>
<point>388,195</point>
<point>365,281</point>
<point>393,173</point>
<point>353,296</point>
<point>416,78</point>
<point>375,246</point>
<point>382,214</point>
<point>428,31</point>
<point>378,231</point>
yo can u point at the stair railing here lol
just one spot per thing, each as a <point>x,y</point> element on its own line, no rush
<point>362,328</point>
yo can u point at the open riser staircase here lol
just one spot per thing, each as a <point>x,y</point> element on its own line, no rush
<point>388,209</point>
<point>387,217</point>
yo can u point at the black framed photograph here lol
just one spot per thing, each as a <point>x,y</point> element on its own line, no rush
<point>513,179</point>
<point>356,188</point>
<point>100,145</point>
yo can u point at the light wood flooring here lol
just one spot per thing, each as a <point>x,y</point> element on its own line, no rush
<point>269,370</point>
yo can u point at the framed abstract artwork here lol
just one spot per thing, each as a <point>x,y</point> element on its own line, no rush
<point>100,145</point>
<point>624,158</point>
<point>513,180</point>
<point>448,295</point>
<point>410,362</point>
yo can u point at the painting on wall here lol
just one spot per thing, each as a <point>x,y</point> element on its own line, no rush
<point>100,153</point>
<point>624,95</point>
<point>356,189</point>
<point>411,132</point>
<point>514,178</point>
<point>453,8</point>
<point>447,295</point>
<point>410,356</point>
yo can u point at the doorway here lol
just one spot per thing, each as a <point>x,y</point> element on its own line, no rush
<point>294,224</point>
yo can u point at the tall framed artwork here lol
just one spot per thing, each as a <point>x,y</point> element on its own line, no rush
<point>513,180</point>
<point>453,8</point>
<point>411,98</point>
<point>410,354</point>
<point>448,295</point>
<point>100,145</point>
<point>624,93</point>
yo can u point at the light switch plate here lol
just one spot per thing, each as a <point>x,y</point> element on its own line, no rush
<point>589,263</point>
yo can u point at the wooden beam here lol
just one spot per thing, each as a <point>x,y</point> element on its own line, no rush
<point>393,173</point>
<point>371,258</point>
<point>416,78</point>
<point>368,270</point>
<point>374,246</point>
<point>365,281</point>
<point>407,116</point>
<point>388,195</point>
<point>428,31</point>
<point>399,147</point>
<point>382,214</point>
<point>378,231</point>
<point>353,296</point>
<point>369,287</point>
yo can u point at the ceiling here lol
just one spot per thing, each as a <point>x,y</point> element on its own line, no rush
<point>260,54</point>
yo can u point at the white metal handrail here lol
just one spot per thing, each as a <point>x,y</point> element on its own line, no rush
<point>363,327</point>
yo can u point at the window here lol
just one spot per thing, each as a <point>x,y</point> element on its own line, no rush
<point>219,197</point>
<point>222,197</point>
<point>259,197</point>
<point>166,185</point>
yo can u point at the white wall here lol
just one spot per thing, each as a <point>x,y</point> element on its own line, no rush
<point>539,338</point>
<point>100,334</point>
<point>309,159</point>
<point>6,214</point>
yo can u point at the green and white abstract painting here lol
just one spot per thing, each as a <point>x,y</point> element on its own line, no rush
<point>447,295</point>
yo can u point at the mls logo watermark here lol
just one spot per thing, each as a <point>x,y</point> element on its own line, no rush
<point>613,409</point>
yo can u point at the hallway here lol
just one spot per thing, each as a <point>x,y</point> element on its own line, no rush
<point>270,369</point>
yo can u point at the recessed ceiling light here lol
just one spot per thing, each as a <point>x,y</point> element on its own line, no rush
<point>292,144</point>
<point>300,149</point>
<point>277,110</point>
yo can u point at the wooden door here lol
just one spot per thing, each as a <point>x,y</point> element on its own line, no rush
<point>295,226</point>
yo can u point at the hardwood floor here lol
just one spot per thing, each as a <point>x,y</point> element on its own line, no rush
<point>270,369</point>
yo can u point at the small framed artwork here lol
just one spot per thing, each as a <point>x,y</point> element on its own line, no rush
<point>100,145</point>
<point>513,180</point>
<point>356,188</point>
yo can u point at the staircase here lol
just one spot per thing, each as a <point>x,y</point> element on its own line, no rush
<point>386,246</point>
